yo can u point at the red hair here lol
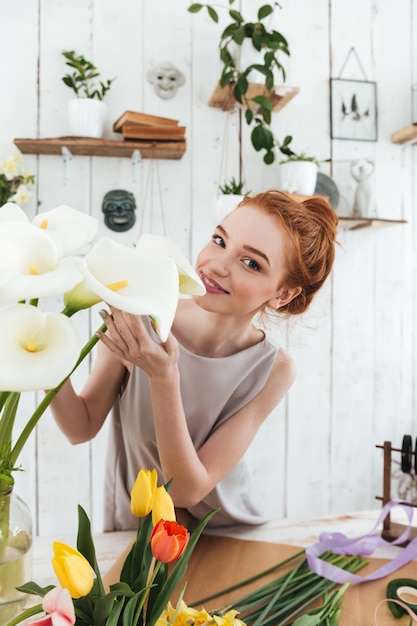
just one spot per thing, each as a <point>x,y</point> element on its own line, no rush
<point>310,230</point>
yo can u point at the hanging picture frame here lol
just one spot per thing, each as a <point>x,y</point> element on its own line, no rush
<point>353,109</point>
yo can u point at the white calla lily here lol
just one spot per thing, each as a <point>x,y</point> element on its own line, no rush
<point>69,228</point>
<point>30,266</point>
<point>38,349</point>
<point>133,281</point>
<point>189,281</point>
<point>11,212</point>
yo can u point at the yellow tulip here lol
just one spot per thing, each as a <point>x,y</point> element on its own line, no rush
<point>143,491</point>
<point>72,570</point>
<point>163,506</point>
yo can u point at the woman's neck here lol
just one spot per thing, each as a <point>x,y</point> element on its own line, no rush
<point>211,334</point>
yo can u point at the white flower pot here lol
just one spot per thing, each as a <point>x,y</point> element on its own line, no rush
<point>226,203</point>
<point>298,177</point>
<point>86,117</point>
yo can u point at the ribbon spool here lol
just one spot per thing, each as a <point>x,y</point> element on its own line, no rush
<point>403,591</point>
<point>406,454</point>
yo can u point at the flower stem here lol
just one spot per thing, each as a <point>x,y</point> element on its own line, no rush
<point>34,610</point>
<point>153,571</point>
<point>252,579</point>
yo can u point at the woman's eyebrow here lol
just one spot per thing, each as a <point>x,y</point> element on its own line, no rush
<point>246,247</point>
<point>258,252</point>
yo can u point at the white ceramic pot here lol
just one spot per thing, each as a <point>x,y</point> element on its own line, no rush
<point>226,203</point>
<point>86,117</point>
<point>298,177</point>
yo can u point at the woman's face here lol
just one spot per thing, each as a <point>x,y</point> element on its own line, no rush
<point>244,266</point>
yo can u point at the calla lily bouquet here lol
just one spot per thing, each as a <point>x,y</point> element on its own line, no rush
<point>142,596</point>
<point>41,349</point>
<point>14,182</point>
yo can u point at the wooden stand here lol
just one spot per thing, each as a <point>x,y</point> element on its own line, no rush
<point>391,530</point>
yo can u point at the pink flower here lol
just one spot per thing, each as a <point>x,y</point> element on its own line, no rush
<point>58,605</point>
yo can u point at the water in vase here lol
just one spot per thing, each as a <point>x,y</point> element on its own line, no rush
<point>15,570</point>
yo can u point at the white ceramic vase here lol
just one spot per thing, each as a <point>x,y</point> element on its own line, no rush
<point>86,117</point>
<point>226,203</point>
<point>298,177</point>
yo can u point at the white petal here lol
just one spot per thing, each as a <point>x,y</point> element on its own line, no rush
<point>10,212</point>
<point>62,278</point>
<point>57,342</point>
<point>152,281</point>
<point>189,281</point>
<point>70,228</point>
<point>30,266</point>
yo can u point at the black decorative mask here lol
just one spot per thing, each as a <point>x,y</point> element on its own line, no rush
<point>119,209</point>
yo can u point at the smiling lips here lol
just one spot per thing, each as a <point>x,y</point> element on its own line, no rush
<point>211,285</point>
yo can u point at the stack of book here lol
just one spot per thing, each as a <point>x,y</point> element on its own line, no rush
<point>142,126</point>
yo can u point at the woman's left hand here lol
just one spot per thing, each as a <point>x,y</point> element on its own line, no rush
<point>128,338</point>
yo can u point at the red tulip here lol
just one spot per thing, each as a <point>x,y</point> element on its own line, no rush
<point>168,541</point>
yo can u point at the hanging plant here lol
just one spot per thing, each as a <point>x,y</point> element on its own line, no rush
<point>271,44</point>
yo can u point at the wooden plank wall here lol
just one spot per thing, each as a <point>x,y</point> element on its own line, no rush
<point>356,348</point>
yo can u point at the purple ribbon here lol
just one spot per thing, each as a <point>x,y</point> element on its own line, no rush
<point>363,546</point>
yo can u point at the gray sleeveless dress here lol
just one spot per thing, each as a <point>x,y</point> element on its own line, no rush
<point>212,390</point>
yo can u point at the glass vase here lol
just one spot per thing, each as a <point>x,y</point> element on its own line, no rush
<point>15,553</point>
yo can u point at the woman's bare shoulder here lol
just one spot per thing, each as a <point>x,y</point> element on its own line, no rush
<point>284,367</point>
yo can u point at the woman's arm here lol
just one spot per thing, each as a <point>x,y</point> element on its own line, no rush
<point>80,416</point>
<point>195,473</point>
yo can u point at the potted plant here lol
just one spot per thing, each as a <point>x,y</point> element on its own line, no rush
<point>87,111</point>
<point>298,171</point>
<point>231,193</point>
<point>237,38</point>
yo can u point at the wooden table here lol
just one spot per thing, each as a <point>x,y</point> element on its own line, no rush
<point>298,532</point>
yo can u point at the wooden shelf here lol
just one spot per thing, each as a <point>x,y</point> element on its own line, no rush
<point>223,98</point>
<point>356,223</point>
<point>405,134</point>
<point>87,146</point>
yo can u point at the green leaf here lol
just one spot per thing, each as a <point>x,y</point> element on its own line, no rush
<point>130,610</point>
<point>85,545</point>
<point>269,157</point>
<point>213,14</point>
<point>236,16</point>
<point>249,116</point>
<point>240,88</point>
<point>264,11</point>
<point>264,102</point>
<point>141,555</point>
<point>262,137</point>
<point>34,589</point>
<point>102,610</point>
<point>239,36</point>
<point>195,8</point>
<point>121,589</point>
<point>113,619</point>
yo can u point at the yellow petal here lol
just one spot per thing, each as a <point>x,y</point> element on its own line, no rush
<point>72,570</point>
<point>163,506</point>
<point>143,491</point>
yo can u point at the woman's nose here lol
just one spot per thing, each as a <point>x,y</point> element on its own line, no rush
<point>220,265</point>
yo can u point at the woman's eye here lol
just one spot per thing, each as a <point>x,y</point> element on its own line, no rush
<point>252,264</point>
<point>219,241</point>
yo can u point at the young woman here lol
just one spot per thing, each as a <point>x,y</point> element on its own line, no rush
<point>191,406</point>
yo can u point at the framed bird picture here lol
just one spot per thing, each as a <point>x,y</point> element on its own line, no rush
<point>353,109</point>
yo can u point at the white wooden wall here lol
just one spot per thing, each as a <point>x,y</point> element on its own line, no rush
<point>356,349</point>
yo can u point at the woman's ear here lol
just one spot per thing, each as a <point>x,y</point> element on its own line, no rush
<point>283,297</point>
